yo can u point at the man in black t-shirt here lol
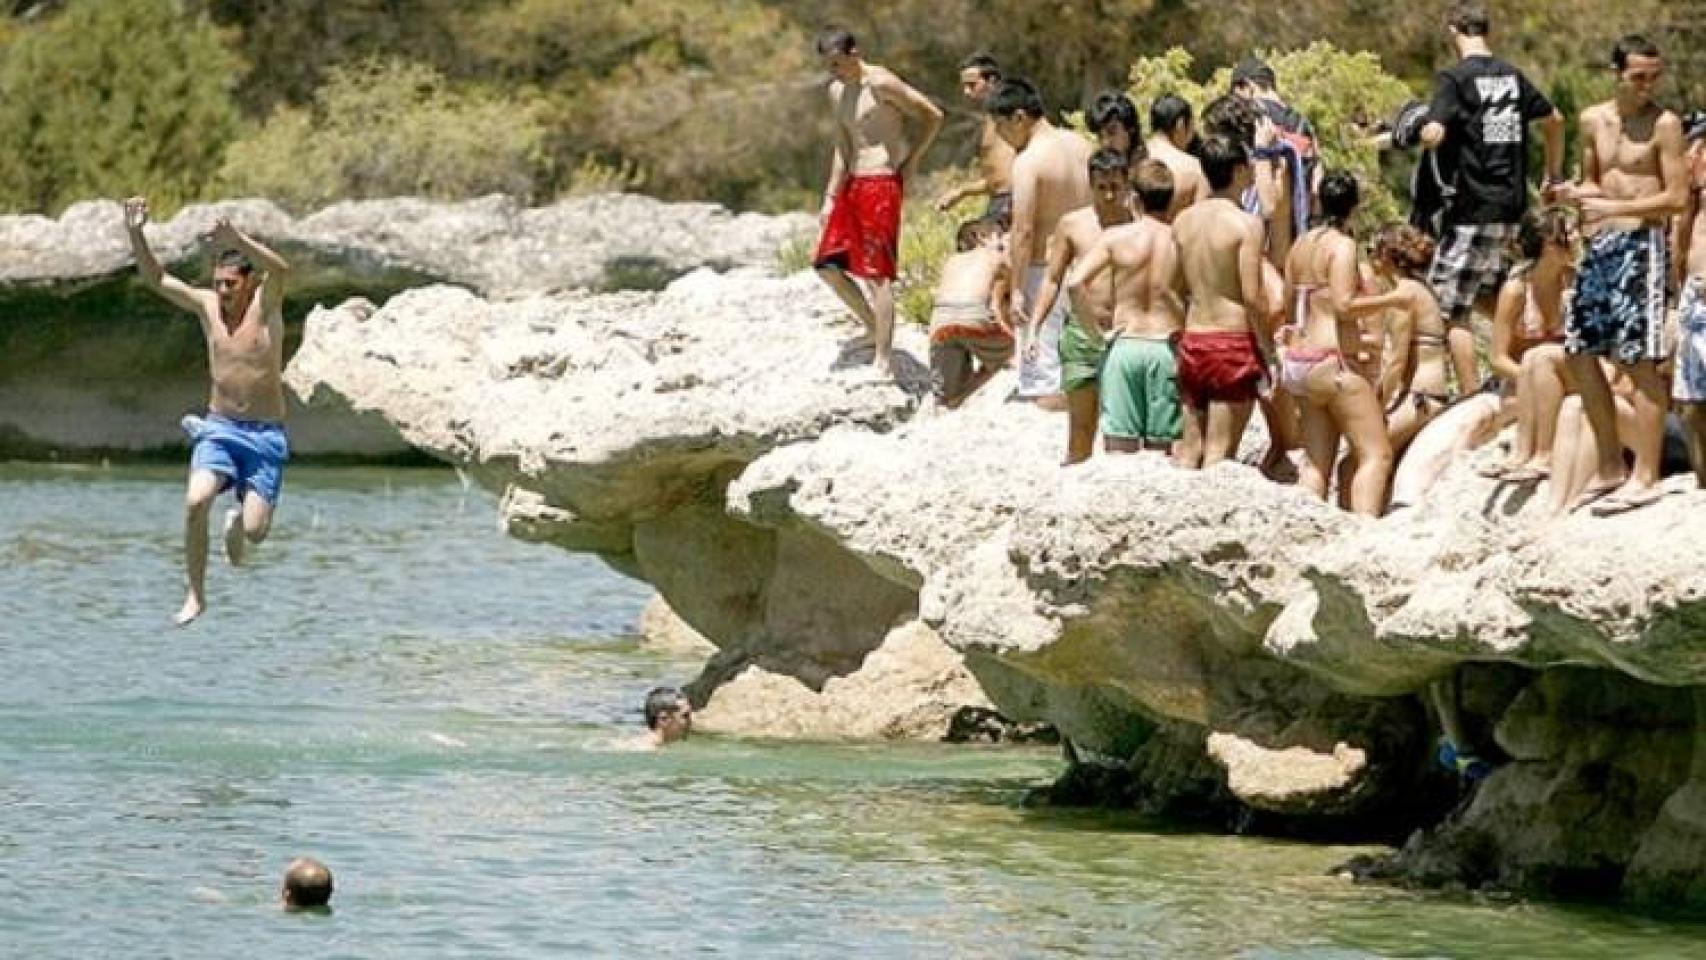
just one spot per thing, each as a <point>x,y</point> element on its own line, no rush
<point>1478,120</point>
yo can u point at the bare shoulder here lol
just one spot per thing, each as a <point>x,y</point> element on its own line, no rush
<point>885,81</point>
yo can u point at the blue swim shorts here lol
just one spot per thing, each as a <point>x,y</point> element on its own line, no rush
<point>247,454</point>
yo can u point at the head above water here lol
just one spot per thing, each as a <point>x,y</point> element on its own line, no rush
<point>668,714</point>
<point>1017,107</point>
<point>307,884</point>
<point>839,51</point>
<point>979,75</point>
<point>1112,117</point>
<point>1222,160</point>
<point>234,280</point>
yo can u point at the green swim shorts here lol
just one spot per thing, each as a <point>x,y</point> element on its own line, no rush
<point>1140,391</point>
<point>1080,358</point>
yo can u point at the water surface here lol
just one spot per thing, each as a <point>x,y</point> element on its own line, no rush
<point>436,711</point>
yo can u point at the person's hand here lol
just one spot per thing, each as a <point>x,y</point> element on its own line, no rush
<point>223,233</point>
<point>1595,209</point>
<point>1267,134</point>
<point>135,213</point>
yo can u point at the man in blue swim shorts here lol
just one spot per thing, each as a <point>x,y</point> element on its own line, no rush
<point>240,444</point>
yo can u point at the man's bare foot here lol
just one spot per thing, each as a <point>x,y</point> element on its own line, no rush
<point>193,607</point>
<point>1626,498</point>
<point>883,367</point>
<point>1596,491</point>
<point>236,542</point>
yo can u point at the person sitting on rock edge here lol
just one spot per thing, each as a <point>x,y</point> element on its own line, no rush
<point>669,716</point>
<point>307,885</point>
<point>971,331</point>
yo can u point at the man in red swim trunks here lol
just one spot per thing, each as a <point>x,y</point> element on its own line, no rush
<point>872,161</point>
<point>1222,360</point>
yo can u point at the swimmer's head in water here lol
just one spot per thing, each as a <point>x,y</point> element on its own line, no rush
<point>1154,185</point>
<point>307,884</point>
<point>668,714</point>
<point>840,52</point>
<point>1222,159</point>
<point>235,280</point>
<point>979,75</point>
<point>1017,107</point>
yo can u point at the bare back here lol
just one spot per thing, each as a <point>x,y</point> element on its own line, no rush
<point>870,131</point>
<point>1213,238</point>
<point>245,360</point>
<point>1053,170</point>
<point>1427,355</point>
<point>969,276</point>
<point>1189,184</point>
<point>1145,270</point>
<point>1319,260</point>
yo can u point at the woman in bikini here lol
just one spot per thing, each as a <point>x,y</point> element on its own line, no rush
<point>1412,381</point>
<point>1321,284</point>
<point>1530,319</point>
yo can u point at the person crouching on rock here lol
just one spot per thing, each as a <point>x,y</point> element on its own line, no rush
<point>669,717</point>
<point>971,328</point>
<point>240,445</point>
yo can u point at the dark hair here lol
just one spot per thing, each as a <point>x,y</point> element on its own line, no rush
<point>972,232</point>
<point>1016,95</point>
<point>1538,228</point>
<point>836,40</point>
<point>234,258</point>
<point>1153,182</point>
<point>307,883</point>
<point>1405,247</point>
<point>1220,157</point>
<point>1109,160</point>
<point>1470,19</point>
<point>1632,45</point>
<point>1112,106</point>
<point>1254,72</point>
<point>1231,117</point>
<point>984,64</point>
<point>1340,195</point>
<point>661,702</point>
<point>1167,112</point>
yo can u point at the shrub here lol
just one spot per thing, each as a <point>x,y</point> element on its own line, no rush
<point>113,97</point>
<point>388,128</point>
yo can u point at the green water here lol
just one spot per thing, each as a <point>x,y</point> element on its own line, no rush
<point>434,710</point>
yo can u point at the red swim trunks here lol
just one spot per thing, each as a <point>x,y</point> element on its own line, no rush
<point>1219,368</point>
<point>862,236</point>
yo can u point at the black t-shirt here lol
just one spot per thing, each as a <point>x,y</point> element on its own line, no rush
<point>1486,106</point>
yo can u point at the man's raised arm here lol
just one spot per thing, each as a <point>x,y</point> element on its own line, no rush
<point>181,294</point>
<point>225,236</point>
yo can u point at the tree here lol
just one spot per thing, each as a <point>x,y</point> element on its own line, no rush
<point>113,97</point>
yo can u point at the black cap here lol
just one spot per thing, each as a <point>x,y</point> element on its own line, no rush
<point>1250,69</point>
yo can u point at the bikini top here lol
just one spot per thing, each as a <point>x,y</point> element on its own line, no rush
<point>1533,327</point>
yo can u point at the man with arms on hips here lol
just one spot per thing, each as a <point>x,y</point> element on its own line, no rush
<point>1223,354</point>
<point>1083,337</point>
<point>1634,179</point>
<point>240,444</point>
<point>1478,121</point>
<point>872,161</point>
<point>1689,388</point>
<point>979,76</point>
<point>1051,178</point>
<point>1139,382</point>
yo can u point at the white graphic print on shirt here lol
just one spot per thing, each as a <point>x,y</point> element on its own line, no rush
<point>1501,115</point>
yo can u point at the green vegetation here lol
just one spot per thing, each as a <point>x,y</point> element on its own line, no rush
<point>310,100</point>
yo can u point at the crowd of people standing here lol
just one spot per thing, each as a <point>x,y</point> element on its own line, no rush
<point>1162,289</point>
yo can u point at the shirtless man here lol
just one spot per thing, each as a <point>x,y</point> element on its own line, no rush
<point>971,334</point>
<point>1112,119</point>
<point>241,443</point>
<point>1051,178</point>
<point>1223,352</point>
<point>1688,390</point>
<point>979,75</point>
<point>1083,338</point>
<point>872,161</point>
<point>1171,131</point>
<point>1140,389</point>
<point>1634,179</point>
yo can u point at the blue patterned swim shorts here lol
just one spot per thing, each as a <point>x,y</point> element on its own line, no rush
<point>1619,306</point>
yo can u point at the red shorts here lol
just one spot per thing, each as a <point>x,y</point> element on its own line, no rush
<point>862,236</point>
<point>1218,368</point>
